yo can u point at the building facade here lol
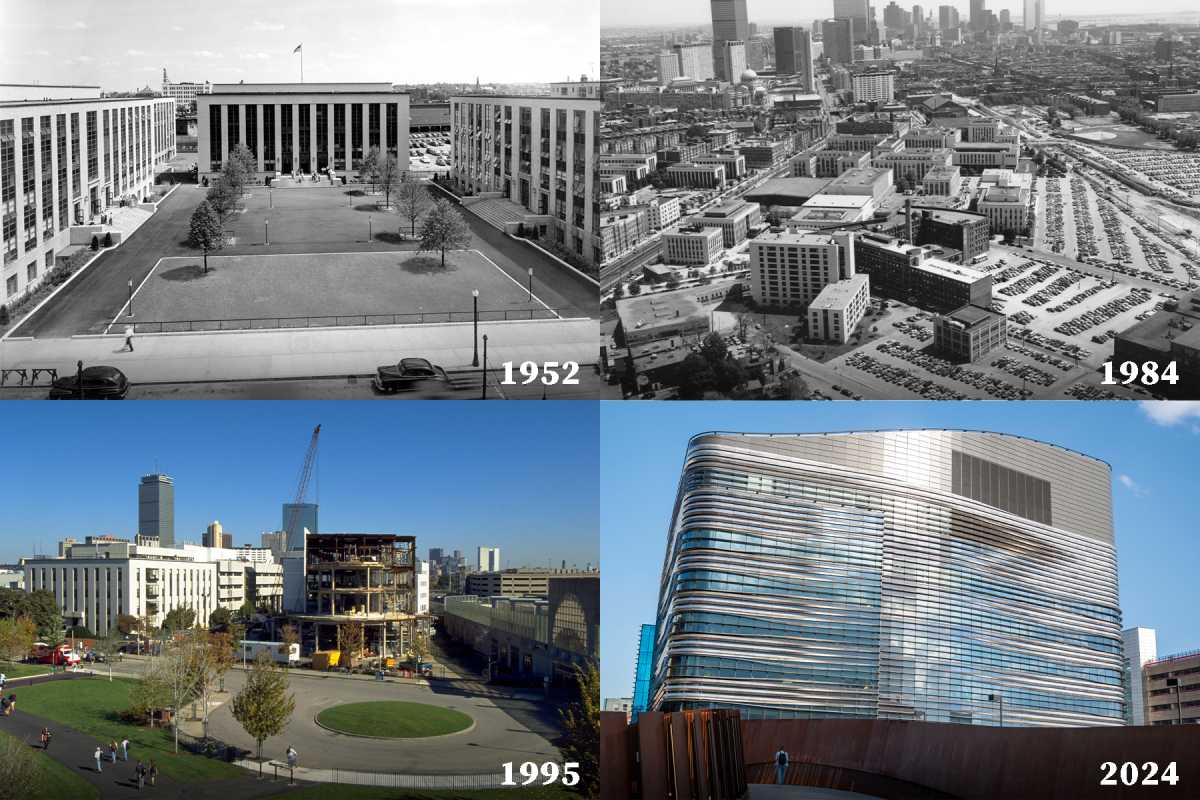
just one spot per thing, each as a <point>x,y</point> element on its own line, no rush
<point>184,92</point>
<point>909,575</point>
<point>692,246</point>
<point>791,268</point>
<point>733,219</point>
<point>540,153</point>
<point>64,162</point>
<point>1138,645</point>
<point>794,55</point>
<point>1171,689</point>
<point>838,309</point>
<point>969,333</point>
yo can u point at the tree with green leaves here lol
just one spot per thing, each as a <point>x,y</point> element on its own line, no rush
<point>263,707</point>
<point>109,647</point>
<point>17,636</point>
<point>205,232</point>
<point>444,229</point>
<point>219,617</point>
<point>390,177</point>
<point>212,658</point>
<point>41,606</point>
<point>580,742</point>
<point>695,377</point>
<point>148,692</point>
<point>792,386</point>
<point>21,773</point>
<point>179,618</point>
<point>245,166</point>
<point>412,200</point>
<point>10,600</point>
<point>635,289</point>
<point>53,634</point>
<point>246,611</point>
<point>368,167</point>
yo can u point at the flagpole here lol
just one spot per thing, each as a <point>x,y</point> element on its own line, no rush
<point>302,63</point>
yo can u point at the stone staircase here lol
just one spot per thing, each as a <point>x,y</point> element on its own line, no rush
<point>498,213</point>
<point>129,219</point>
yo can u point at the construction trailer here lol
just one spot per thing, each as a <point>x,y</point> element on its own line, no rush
<point>360,579</point>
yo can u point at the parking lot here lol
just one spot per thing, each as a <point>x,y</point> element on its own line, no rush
<point>429,152</point>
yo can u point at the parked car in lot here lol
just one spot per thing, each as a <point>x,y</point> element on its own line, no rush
<point>410,373</point>
<point>99,383</point>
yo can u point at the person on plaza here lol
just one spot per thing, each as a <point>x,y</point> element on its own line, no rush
<point>4,705</point>
<point>153,771</point>
<point>2,679</point>
<point>112,750</point>
<point>97,755</point>
<point>781,764</point>
<point>12,701</point>
<point>128,338</point>
<point>140,773</point>
<point>125,749</point>
<point>45,737</point>
<point>291,757</point>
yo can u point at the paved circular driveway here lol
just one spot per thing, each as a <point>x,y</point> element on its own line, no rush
<point>507,728</point>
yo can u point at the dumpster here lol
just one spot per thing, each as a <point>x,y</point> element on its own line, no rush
<point>325,659</point>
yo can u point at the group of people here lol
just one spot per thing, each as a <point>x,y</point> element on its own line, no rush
<point>140,771</point>
<point>8,704</point>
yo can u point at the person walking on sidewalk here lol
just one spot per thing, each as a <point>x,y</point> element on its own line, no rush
<point>97,754</point>
<point>153,771</point>
<point>781,764</point>
<point>128,338</point>
<point>12,701</point>
<point>112,750</point>
<point>125,749</point>
<point>291,757</point>
<point>140,773</point>
<point>46,739</point>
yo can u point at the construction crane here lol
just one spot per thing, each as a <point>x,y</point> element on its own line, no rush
<point>301,489</point>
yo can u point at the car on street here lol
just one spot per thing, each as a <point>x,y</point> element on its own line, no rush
<point>99,383</point>
<point>410,373</point>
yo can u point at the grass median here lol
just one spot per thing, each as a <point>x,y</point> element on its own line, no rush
<point>91,705</point>
<point>394,719</point>
<point>23,670</point>
<point>60,783</point>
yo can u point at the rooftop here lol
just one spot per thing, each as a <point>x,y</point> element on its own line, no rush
<point>839,294</point>
<point>796,237</point>
<point>651,310</point>
<point>1156,331</point>
<point>863,176</point>
<point>970,315</point>
<point>734,208</point>
<point>838,201</point>
<point>797,187</point>
<point>952,271</point>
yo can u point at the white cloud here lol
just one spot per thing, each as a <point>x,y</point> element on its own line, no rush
<point>262,56</point>
<point>1129,484</point>
<point>79,25</point>
<point>176,28</point>
<point>265,26</point>
<point>1171,412</point>
<point>135,52</point>
<point>81,59</point>
<point>344,55</point>
<point>206,54</point>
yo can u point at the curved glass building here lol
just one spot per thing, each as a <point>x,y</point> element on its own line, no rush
<point>908,574</point>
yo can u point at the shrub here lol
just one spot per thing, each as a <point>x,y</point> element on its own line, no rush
<point>3,315</point>
<point>108,239</point>
<point>95,242</point>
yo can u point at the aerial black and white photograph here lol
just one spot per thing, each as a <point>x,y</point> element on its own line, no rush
<point>390,198</point>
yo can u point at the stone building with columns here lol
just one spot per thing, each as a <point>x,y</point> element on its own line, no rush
<point>301,126</point>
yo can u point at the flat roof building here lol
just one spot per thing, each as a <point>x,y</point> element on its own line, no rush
<point>832,211</point>
<point>1138,645</point>
<point>1171,689</point>
<point>909,273</point>
<point>735,219</point>
<point>874,182</point>
<point>791,268</point>
<point>663,315</point>
<point>958,230</point>
<point>693,245</point>
<point>700,176</point>
<point>1171,334</point>
<point>969,334</point>
<point>838,309</point>
<point>942,181</point>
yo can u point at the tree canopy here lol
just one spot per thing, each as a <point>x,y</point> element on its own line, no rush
<point>204,231</point>
<point>263,707</point>
<point>444,229</point>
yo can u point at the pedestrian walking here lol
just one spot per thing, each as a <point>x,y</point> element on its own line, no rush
<point>128,338</point>
<point>291,757</point>
<point>112,750</point>
<point>781,763</point>
<point>125,749</point>
<point>153,771</point>
<point>140,772</point>
<point>4,705</point>
<point>97,754</point>
<point>45,737</point>
<point>12,701</point>
<point>2,679</point>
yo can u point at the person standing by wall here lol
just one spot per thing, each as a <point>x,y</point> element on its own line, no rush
<point>781,764</point>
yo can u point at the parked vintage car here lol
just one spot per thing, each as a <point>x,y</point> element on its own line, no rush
<point>99,383</point>
<point>410,373</point>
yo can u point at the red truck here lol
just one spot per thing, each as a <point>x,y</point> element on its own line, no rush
<point>45,654</point>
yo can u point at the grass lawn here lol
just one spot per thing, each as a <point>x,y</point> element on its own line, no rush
<point>326,285</point>
<point>23,670</point>
<point>91,705</point>
<point>335,792</point>
<point>62,784</point>
<point>394,719</point>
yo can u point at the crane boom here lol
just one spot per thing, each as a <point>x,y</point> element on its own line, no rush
<point>301,490</point>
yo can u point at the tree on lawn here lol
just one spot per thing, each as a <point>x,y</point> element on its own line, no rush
<point>419,646</point>
<point>17,636</point>
<point>368,167</point>
<point>40,606</point>
<point>263,706</point>
<point>224,198</point>
<point>148,627</point>
<point>53,634</point>
<point>219,617</point>
<point>390,177</point>
<point>148,692</point>
<point>580,742</point>
<point>412,200</point>
<point>126,623</point>
<point>179,675</point>
<point>213,658</point>
<point>635,289</point>
<point>21,773</point>
<point>289,635</point>
<point>444,229</point>
<point>109,647</point>
<point>180,618</point>
<point>238,168</point>
<point>205,233</point>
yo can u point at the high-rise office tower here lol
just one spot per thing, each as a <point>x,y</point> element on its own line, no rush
<point>668,68</point>
<point>489,559</point>
<point>156,509</point>
<point>729,23</point>
<point>274,541</point>
<point>695,61</point>
<point>793,55</point>
<point>436,553</point>
<point>305,519</point>
<point>733,56</point>
<point>976,21</point>
<point>839,40</point>
<point>214,537</point>
<point>860,12</point>
<point>1005,17</point>
<point>1035,18</point>
<point>918,17</point>
<point>1139,647</point>
<point>911,574</point>
<point>947,17</point>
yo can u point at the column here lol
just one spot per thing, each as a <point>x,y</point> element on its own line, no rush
<point>258,137</point>
<point>312,138</point>
<point>277,136</point>
<point>224,132</point>
<point>329,135</point>
<point>296,136</point>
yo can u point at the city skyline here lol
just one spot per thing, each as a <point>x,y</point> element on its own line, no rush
<point>126,47</point>
<point>1140,442</point>
<point>691,13</point>
<point>453,480</point>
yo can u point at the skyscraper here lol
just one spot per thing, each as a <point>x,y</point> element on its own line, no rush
<point>695,61</point>
<point>911,574</point>
<point>306,518</point>
<point>489,559</point>
<point>156,509</point>
<point>860,12</point>
<point>839,40</point>
<point>947,17</point>
<point>733,56</point>
<point>1139,647</point>
<point>214,537</point>
<point>976,21</point>
<point>793,55</point>
<point>1035,18</point>
<point>730,23</point>
<point>668,68</point>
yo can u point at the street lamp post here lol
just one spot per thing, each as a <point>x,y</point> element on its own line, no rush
<point>79,378</point>
<point>370,235</point>
<point>484,395</point>
<point>475,314</point>
<point>266,231</point>
<point>995,698</point>
<point>531,284</point>
<point>271,195</point>
<point>131,297</point>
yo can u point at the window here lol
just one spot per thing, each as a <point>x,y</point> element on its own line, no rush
<point>214,136</point>
<point>10,285</point>
<point>269,137</point>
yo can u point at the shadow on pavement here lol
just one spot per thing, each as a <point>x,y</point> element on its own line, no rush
<point>187,272</point>
<point>426,265</point>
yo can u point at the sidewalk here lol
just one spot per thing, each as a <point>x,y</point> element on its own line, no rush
<point>392,780</point>
<point>307,352</point>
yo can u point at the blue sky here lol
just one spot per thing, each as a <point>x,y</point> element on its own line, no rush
<point>125,45</point>
<point>1151,447</point>
<point>518,476</point>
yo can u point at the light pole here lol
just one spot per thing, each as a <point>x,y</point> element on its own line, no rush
<point>370,235</point>
<point>531,284</point>
<point>131,297</point>
<point>475,314</point>
<point>1177,683</point>
<point>271,195</point>
<point>266,231</point>
<point>995,698</point>
<point>484,395</point>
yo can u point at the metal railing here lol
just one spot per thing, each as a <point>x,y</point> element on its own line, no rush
<point>336,321</point>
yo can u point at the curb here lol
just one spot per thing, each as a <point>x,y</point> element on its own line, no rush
<point>393,738</point>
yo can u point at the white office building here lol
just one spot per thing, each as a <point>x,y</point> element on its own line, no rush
<point>792,267</point>
<point>489,559</point>
<point>1139,647</point>
<point>838,309</point>
<point>874,87</point>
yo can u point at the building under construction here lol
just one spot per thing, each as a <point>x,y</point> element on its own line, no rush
<point>353,579</point>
